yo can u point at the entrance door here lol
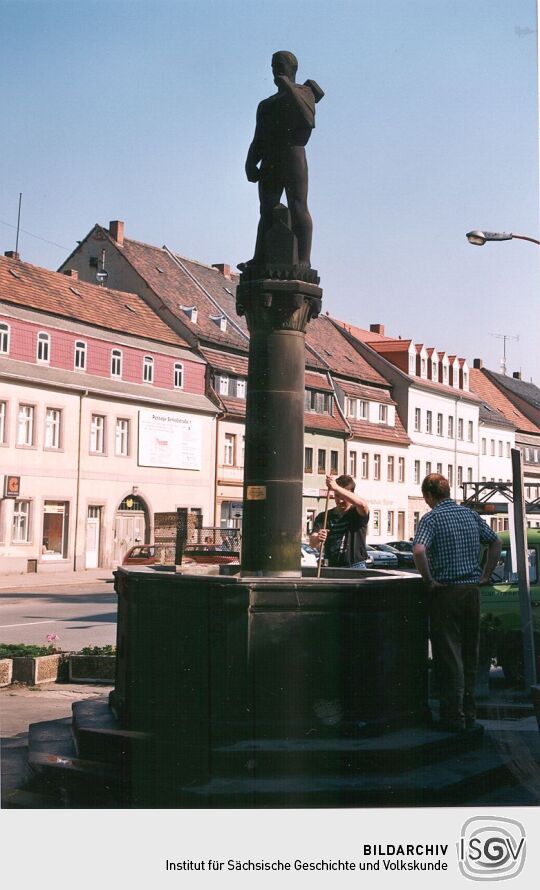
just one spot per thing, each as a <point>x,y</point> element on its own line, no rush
<point>401,525</point>
<point>129,529</point>
<point>93,523</point>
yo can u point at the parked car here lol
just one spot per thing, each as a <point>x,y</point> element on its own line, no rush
<point>402,546</point>
<point>381,559</point>
<point>141,555</point>
<point>310,556</point>
<point>500,622</point>
<point>404,557</point>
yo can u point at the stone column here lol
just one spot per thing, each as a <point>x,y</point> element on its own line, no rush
<point>278,301</point>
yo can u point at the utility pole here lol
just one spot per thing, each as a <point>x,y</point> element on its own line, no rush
<point>504,338</point>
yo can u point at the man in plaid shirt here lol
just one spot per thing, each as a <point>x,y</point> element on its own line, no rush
<point>447,552</point>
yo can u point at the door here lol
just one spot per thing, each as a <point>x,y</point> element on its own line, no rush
<point>129,529</point>
<point>93,523</point>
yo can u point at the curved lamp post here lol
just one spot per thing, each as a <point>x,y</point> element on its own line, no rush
<point>480,238</point>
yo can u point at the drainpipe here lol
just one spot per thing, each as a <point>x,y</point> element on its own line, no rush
<point>77,495</point>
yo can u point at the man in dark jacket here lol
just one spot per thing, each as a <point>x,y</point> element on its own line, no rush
<point>447,553</point>
<point>344,537</point>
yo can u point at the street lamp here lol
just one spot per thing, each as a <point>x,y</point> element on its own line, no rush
<point>480,238</point>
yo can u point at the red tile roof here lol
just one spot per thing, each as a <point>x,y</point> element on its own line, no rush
<point>318,381</point>
<point>36,288</point>
<point>226,361</point>
<point>325,422</point>
<point>357,391</point>
<point>492,396</point>
<point>362,429</point>
<point>338,353</point>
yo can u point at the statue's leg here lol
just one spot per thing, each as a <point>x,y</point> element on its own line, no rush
<point>296,188</point>
<point>270,191</point>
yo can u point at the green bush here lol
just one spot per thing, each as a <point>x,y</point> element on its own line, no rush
<point>97,650</point>
<point>15,650</point>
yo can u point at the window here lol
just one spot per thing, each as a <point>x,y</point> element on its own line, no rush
<point>321,460</point>
<point>459,476</point>
<point>229,449</point>
<point>470,431</point>
<point>376,522</point>
<point>52,428</point>
<point>507,449</point>
<point>178,375</point>
<point>79,362</point>
<point>439,424</point>
<point>390,468</point>
<point>469,474</point>
<point>417,472</point>
<point>43,343</point>
<point>365,465</point>
<point>97,434</point>
<point>484,446</point>
<point>450,474</point>
<point>390,522</point>
<point>362,408</point>
<point>434,371</point>
<point>55,528</point>
<point>429,421</point>
<point>25,427</point>
<point>416,520</point>
<point>376,466</point>
<point>445,373</point>
<point>352,464</point>
<point>492,447</point>
<point>243,451</point>
<point>423,367</point>
<point>401,469</point>
<point>412,364</point>
<point>334,463</point>
<point>121,437</point>
<point>383,413</point>
<point>465,380</point>
<point>428,467</point>
<point>500,448</point>
<point>308,460</point>
<point>439,469</point>
<point>116,363</point>
<point>3,418</point>
<point>417,419</point>
<point>148,369</point>
<point>350,408</point>
<point>319,402</point>
<point>20,533</point>
<point>4,338</point>
<point>450,427</point>
<point>240,388</point>
<point>460,429</point>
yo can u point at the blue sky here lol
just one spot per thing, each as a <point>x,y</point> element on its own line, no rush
<point>143,111</point>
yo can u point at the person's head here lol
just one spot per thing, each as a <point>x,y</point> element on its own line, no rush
<point>435,488</point>
<point>285,63</point>
<point>348,483</point>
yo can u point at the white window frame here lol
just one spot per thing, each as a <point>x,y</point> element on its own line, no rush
<point>148,369</point>
<point>377,466</point>
<point>383,414</point>
<point>470,431</point>
<point>53,428</point>
<point>401,469</point>
<point>417,472</point>
<point>43,348</point>
<point>97,434</point>
<point>79,355</point>
<point>26,417</point>
<point>365,465</point>
<point>117,361</point>
<point>390,522</point>
<point>429,421</point>
<point>460,429</point>
<point>353,464</point>
<point>240,388</point>
<point>376,523</point>
<point>417,419</point>
<point>484,445</point>
<point>121,437</point>
<point>20,526</point>
<point>450,427</point>
<point>390,468</point>
<point>3,422</point>
<point>178,375</point>
<point>229,448</point>
<point>5,336</point>
<point>440,420</point>
<point>223,385</point>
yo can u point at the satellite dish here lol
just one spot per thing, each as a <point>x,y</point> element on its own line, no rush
<point>101,276</point>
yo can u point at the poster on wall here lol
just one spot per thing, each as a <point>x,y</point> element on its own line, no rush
<point>170,439</point>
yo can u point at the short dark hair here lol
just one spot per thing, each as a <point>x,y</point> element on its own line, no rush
<point>346,482</point>
<point>437,486</point>
<point>287,57</point>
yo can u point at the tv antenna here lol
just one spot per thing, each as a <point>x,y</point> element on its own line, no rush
<point>504,338</point>
<point>18,224</point>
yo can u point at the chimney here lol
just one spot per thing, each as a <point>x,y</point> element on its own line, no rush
<point>71,273</point>
<point>377,329</point>
<point>224,268</point>
<point>517,375</point>
<point>478,363</point>
<point>116,231</point>
<point>12,255</point>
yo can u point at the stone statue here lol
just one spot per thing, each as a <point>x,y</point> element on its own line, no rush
<point>284,124</point>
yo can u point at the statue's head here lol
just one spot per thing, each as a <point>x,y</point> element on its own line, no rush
<point>285,63</point>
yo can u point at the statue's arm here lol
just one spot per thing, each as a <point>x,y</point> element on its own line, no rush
<point>255,151</point>
<point>303,100</point>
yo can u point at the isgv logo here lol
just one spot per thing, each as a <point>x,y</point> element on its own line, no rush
<point>491,848</point>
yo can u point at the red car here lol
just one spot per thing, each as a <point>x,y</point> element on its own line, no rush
<point>141,555</point>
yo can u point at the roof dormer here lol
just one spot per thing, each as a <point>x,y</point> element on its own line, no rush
<point>191,312</point>
<point>433,365</point>
<point>421,361</point>
<point>463,374</point>
<point>453,371</point>
<point>444,374</point>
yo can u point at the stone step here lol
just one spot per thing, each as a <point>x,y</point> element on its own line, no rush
<point>98,735</point>
<point>392,752</point>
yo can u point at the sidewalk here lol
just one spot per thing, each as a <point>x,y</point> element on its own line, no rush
<point>27,581</point>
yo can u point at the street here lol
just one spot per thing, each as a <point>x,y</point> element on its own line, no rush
<point>80,614</point>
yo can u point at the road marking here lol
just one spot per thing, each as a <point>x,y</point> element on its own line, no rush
<point>26,623</point>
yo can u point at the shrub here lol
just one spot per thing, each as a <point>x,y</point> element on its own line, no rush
<point>15,650</point>
<point>97,650</point>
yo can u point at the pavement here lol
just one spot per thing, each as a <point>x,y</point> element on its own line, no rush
<point>42,580</point>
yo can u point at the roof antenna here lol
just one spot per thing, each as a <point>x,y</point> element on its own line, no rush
<point>18,225</point>
<point>102,274</point>
<point>504,338</point>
